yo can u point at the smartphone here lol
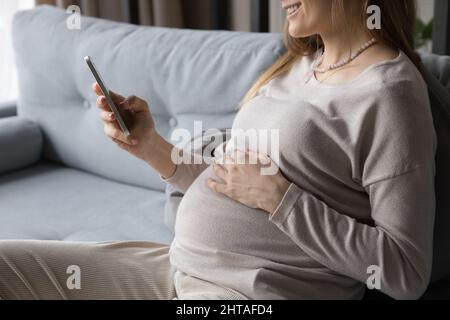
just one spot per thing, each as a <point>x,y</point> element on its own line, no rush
<point>109,100</point>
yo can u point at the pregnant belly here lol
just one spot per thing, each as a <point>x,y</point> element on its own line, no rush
<point>214,222</point>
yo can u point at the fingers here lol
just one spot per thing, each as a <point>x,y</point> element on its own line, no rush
<point>258,158</point>
<point>96,88</point>
<point>220,171</point>
<point>116,134</point>
<point>248,157</point>
<point>107,117</point>
<point>133,103</point>
<point>229,161</point>
<point>216,186</point>
<point>117,98</point>
<point>122,145</point>
<point>102,104</point>
<point>225,163</point>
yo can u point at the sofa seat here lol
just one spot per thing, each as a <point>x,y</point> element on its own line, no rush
<point>52,202</point>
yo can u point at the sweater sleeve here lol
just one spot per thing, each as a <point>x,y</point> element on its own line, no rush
<point>196,158</point>
<point>185,174</point>
<point>395,153</point>
<point>399,242</point>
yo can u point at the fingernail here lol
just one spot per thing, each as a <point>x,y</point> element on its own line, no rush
<point>134,142</point>
<point>111,116</point>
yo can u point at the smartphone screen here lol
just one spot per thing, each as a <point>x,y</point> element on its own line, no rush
<point>109,100</point>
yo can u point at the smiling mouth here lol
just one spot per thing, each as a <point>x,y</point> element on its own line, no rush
<point>293,8</point>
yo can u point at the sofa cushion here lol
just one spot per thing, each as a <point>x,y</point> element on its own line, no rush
<point>20,143</point>
<point>185,75</point>
<point>8,109</point>
<point>51,202</point>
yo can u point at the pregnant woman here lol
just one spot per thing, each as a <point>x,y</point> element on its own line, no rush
<point>353,199</point>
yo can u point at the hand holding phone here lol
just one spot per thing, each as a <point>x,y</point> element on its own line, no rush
<point>109,100</point>
<point>145,143</point>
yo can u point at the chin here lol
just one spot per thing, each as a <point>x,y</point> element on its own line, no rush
<point>298,31</point>
<point>307,17</point>
<point>298,23</point>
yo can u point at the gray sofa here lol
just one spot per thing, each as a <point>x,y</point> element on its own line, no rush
<point>8,109</point>
<point>60,178</point>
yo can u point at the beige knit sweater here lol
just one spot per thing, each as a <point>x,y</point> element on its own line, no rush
<point>360,157</point>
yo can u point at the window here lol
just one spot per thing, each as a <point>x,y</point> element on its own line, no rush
<point>424,26</point>
<point>8,78</point>
<point>425,9</point>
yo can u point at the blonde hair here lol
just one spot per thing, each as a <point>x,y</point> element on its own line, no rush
<point>397,31</point>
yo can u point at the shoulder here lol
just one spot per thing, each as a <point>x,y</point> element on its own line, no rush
<point>397,80</point>
<point>397,96</point>
<point>399,131</point>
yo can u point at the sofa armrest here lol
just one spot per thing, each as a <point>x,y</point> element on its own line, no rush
<point>21,144</point>
<point>8,109</point>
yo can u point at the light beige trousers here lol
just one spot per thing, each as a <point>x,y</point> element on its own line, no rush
<point>140,270</point>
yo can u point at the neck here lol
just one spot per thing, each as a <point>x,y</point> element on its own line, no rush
<point>339,46</point>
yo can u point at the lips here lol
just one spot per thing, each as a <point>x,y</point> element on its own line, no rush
<point>292,8</point>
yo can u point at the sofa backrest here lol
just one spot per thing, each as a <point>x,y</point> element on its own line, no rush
<point>438,80</point>
<point>185,75</point>
<point>439,67</point>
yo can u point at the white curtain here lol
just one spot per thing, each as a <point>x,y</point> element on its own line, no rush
<point>8,78</point>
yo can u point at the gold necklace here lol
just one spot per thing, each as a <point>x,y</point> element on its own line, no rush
<point>321,81</point>
<point>345,61</point>
<point>337,66</point>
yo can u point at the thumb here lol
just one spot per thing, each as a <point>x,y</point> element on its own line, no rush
<point>117,98</point>
<point>135,104</point>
